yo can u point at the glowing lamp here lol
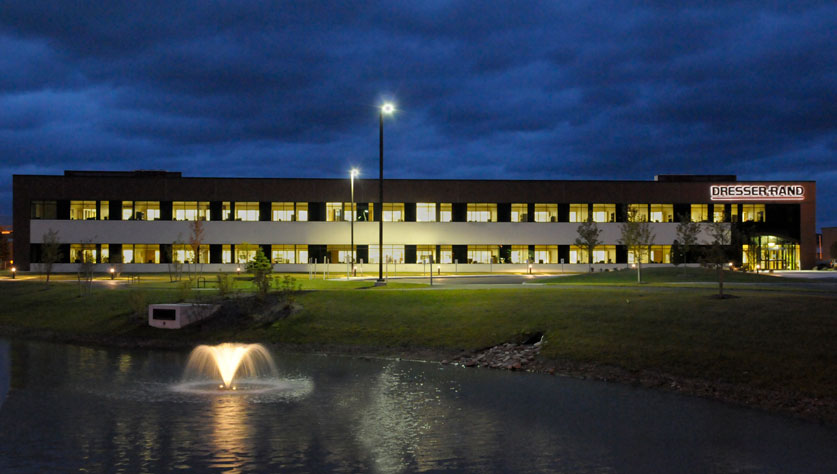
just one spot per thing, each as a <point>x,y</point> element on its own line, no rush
<point>112,272</point>
<point>14,272</point>
<point>388,108</point>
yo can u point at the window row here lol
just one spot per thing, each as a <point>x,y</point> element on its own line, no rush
<point>290,253</point>
<point>398,212</point>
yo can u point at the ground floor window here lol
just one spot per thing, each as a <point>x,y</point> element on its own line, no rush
<point>425,253</point>
<point>245,252</point>
<point>184,253</point>
<point>483,253</point>
<point>140,253</point>
<point>341,253</point>
<point>660,254</point>
<point>83,253</point>
<point>546,254</point>
<point>445,254</point>
<point>604,254</point>
<point>289,253</point>
<point>578,254</point>
<point>392,254</point>
<point>519,254</point>
<point>769,252</point>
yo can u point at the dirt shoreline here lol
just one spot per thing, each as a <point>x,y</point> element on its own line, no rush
<point>789,402</point>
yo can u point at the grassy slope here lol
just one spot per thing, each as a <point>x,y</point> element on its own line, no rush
<point>764,339</point>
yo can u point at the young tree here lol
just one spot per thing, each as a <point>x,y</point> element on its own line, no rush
<point>261,268</point>
<point>50,251</point>
<point>716,255</point>
<point>638,238</point>
<point>195,241</point>
<point>174,265</point>
<point>687,236</point>
<point>588,238</point>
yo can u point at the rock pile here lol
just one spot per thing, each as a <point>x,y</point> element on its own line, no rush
<point>505,356</point>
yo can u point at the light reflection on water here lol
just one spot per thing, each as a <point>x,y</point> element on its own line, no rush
<point>73,408</point>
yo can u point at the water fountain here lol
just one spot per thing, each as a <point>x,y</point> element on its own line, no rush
<point>238,366</point>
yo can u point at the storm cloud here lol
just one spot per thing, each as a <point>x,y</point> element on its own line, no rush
<point>540,90</point>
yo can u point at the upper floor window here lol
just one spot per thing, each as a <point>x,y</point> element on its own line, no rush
<point>519,212</point>
<point>282,211</point>
<point>604,212</point>
<point>445,213</point>
<point>226,214</point>
<point>140,210</point>
<point>302,212</point>
<point>190,210</point>
<point>578,212</point>
<point>334,211</point>
<point>83,210</point>
<point>662,212</point>
<point>482,212</point>
<point>546,212</point>
<point>43,210</point>
<point>393,211</point>
<point>718,214</point>
<point>752,213</point>
<point>700,213</point>
<point>425,212</point>
<point>246,211</point>
<point>638,212</point>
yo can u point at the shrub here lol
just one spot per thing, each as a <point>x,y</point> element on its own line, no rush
<point>289,288</point>
<point>261,268</point>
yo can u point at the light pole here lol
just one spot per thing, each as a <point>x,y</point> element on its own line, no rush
<point>387,109</point>
<point>352,217</point>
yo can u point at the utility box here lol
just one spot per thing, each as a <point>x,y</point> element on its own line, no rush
<point>178,315</point>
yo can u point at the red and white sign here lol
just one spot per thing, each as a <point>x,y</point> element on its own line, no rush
<point>757,192</point>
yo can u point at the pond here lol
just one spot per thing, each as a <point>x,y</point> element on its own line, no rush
<point>71,408</point>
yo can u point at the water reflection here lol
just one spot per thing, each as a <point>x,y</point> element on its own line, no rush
<point>115,411</point>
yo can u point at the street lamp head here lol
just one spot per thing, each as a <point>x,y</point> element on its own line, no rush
<point>355,172</point>
<point>388,108</point>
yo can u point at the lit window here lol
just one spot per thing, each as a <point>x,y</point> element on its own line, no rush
<point>519,212</point>
<point>140,253</point>
<point>604,254</point>
<point>483,253</point>
<point>245,253</point>
<point>752,213</point>
<point>445,254</point>
<point>662,213</point>
<point>104,208</point>
<point>546,254</point>
<point>604,212</point>
<point>546,212</point>
<point>425,253</point>
<point>393,211</point>
<point>637,212</point>
<point>334,211</point>
<point>578,254</point>
<point>83,253</point>
<point>660,254</point>
<point>184,253</point>
<point>302,212</point>
<point>520,254</point>
<point>226,211</point>
<point>700,213</point>
<point>482,212</point>
<point>247,211</point>
<point>578,212</point>
<point>392,254</point>
<point>190,210</point>
<point>425,212</point>
<point>445,213</point>
<point>283,253</point>
<point>83,210</point>
<point>718,213</point>
<point>734,212</point>
<point>226,253</point>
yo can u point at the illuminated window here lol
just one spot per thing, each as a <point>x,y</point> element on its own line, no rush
<point>247,211</point>
<point>519,212</point>
<point>302,212</point>
<point>190,210</point>
<point>700,213</point>
<point>482,212</point>
<point>445,254</point>
<point>520,254</point>
<point>226,253</point>
<point>752,213</point>
<point>718,213</point>
<point>392,254</point>
<point>226,211</point>
<point>632,257</point>
<point>604,212</point>
<point>282,211</point>
<point>578,212</point>
<point>662,213</point>
<point>339,253</point>
<point>578,254</point>
<point>604,254</point>
<point>546,254</point>
<point>140,253</point>
<point>105,253</point>
<point>184,253</point>
<point>425,253</point>
<point>349,211</point>
<point>140,210</point>
<point>334,211</point>
<point>734,212</point>
<point>393,211</point>
<point>546,212</point>
<point>425,212</point>
<point>104,208</point>
<point>245,252</point>
<point>660,254</point>
<point>483,253</point>
<point>285,254</point>
<point>83,253</point>
<point>445,213</point>
<point>43,210</point>
<point>83,210</point>
<point>638,212</point>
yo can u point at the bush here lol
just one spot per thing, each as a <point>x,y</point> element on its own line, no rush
<point>225,284</point>
<point>138,302</point>
<point>261,268</point>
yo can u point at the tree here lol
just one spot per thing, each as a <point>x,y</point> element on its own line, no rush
<point>195,241</point>
<point>261,268</point>
<point>638,238</point>
<point>716,255</point>
<point>174,265</point>
<point>50,251</point>
<point>588,238</point>
<point>687,237</point>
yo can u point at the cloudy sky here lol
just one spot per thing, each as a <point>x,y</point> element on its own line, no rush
<point>542,90</point>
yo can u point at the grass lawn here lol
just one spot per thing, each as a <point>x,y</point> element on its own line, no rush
<point>663,275</point>
<point>774,339</point>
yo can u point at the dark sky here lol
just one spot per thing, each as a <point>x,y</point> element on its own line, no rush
<point>547,90</point>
